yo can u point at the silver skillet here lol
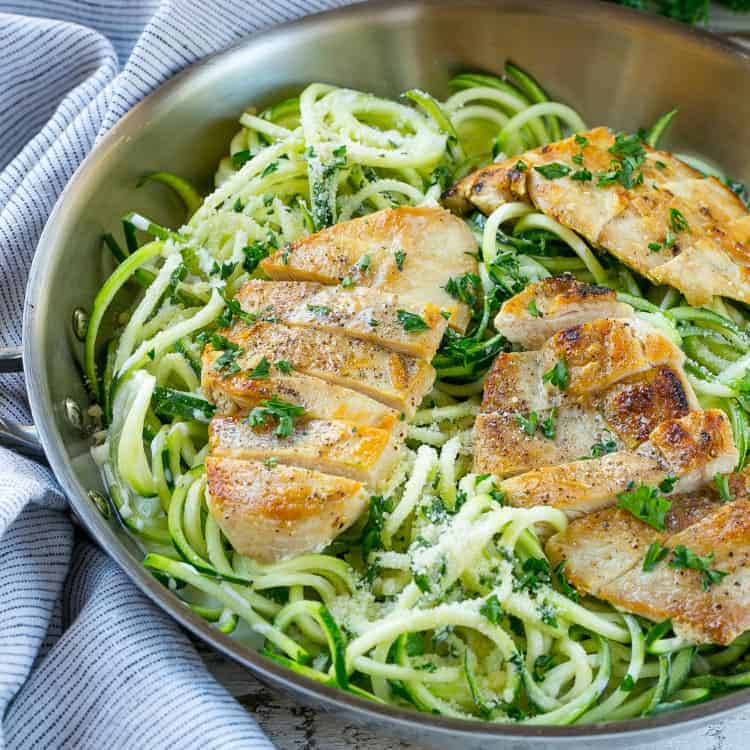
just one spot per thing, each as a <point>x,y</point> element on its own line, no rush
<point>615,66</point>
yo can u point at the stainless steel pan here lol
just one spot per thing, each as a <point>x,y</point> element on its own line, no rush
<point>615,66</point>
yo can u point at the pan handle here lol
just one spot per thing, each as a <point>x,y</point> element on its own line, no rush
<point>20,437</point>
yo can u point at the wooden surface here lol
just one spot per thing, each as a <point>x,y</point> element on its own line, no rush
<point>294,727</point>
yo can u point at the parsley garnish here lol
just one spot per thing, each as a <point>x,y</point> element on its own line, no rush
<point>630,157</point>
<point>237,208</point>
<point>465,288</point>
<point>227,363</point>
<point>602,448</point>
<point>528,424</point>
<point>547,426</point>
<point>627,683</point>
<point>535,573</point>
<point>667,485</point>
<point>654,555</point>
<point>547,614</point>
<point>275,408</point>
<point>520,166</point>
<point>270,462</point>
<point>682,557</point>
<point>565,586</point>
<point>411,322</point>
<point>234,310</point>
<point>400,257</point>
<point>581,140</point>
<point>645,502</point>
<point>319,309</point>
<point>581,175</point>
<point>492,609</point>
<point>364,263</point>
<point>654,246</point>
<point>542,663</point>
<point>151,353</point>
<point>254,254</point>
<point>241,157</point>
<point>558,375</point>
<point>370,538</point>
<point>553,171</point>
<point>261,370</point>
<point>347,282</point>
<point>533,309</point>
<point>678,221</point>
<point>722,484</point>
<point>284,365</point>
<point>271,167</point>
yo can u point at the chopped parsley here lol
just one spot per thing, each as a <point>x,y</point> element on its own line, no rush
<point>645,502</point>
<point>535,572</point>
<point>364,263</point>
<point>492,609</point>
<point>542,664</point>
<point>667,485</point>
<point>581,140</point>
<point>319,309</point>
<point>553,171</point>
<point>626,169</point>
<point>558,375</point>
<point>232,311</point>
<point>677,221</point>
<point>602,448</point>
<point>271,167</point>
<point>261,370</point>
<point>466,288</point>
<point>339,152</point>
<point>411,322</point>
<point>722,484</point>
<point>254,254</point>
<point>347,282</point>
<point>654,246</point>
<point>533,309</point>
<point>581,175</point>
<point>238,207</point>
<point>370,539</point>
<point>284,365</point>
<point>565,586</point>
<point>654,555</point>
<point>151,353</point>
<point>627,683</point>
<point>227,363</point>
<point>274,408</point>
<point>682,557</point>
<point>528,424</point>
<point>547,614</point>
<point>520,166</point>
<point>400,257</point>
<point>270,462</point>
<point>239,158</point>
<point>548,427</point>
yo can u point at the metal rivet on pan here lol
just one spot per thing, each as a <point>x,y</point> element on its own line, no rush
<point>80,323</point>
<point>73,413</point>
<point>100,501</point>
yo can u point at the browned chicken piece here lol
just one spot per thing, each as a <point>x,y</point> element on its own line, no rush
<point>271,511</point>
<point>367,454</point>
<point>692,449</point>
<point>676,227</point>
<point>394,379</point>
<point>624,378</point>
<point>604,555</point>
<point>411,252</point>
<point>553,304</point>
<point>362,313</point>
<point>238,393</point>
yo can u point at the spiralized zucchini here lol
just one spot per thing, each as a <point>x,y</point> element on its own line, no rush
<point>442,597</point>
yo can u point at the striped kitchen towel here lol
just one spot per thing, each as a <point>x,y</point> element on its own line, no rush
<point>86,661</point>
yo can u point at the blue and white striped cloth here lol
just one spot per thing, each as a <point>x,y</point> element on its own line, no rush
<point>86,661</point>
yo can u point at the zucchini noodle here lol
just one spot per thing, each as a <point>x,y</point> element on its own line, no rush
<point>441,597</point>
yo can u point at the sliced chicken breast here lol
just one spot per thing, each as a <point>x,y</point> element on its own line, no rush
<point>403,325</point>
<point>397,380</point>
<point>553,304</point>
<point>604,555</point>
<point>238,393</point>
<point>674,226</point>
<point>269,512</point>
<point>692,449</point>
<point>412,252</point>
<point>367,454</point>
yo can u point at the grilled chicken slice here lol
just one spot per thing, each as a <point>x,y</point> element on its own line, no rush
<point>553,304</point>
<point>404,325</point>
<point>238,393</point>
<point>269,512</point>
<point>677,227</point>
<point>692,449</point>
<point>396,380</point>
<point>604,554</point>
<point>412,252</point>
<point>367,454</point>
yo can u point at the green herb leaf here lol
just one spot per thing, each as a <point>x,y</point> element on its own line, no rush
<point>492,609</point>
<point>553,171</point>
<point>603,448</point>
<point>682,557</point>
<point>528,424</point>
<point>654,555</point>
<point>520,166</point>
<point>558,376</point>
<point>533,309</point>
<point>581,175</point>
<point>411,322</point>
<point>565,587</point>
<point>279,410</point>
<point>548,427</point>
<point>254,254</point>
<point>678,221</point>
<point>400,257</point>
<point>347,282</point>
<point>364,263</point>
<point>284,365</point>
<point>319,309</point>
<point>370,539</point>
<point>645,503</point>
<point>261,370</point>
<point>271,167</point>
